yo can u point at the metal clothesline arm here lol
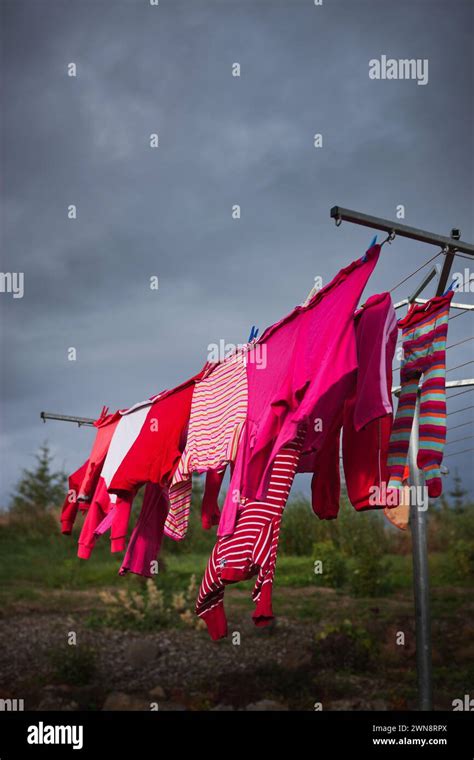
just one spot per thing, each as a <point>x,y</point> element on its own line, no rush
<point>454,305</point>
<point>449,384</point>
<point>401,230</point>
<point>67,418</point>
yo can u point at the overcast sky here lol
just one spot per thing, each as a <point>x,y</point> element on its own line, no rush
<point>223,140</point>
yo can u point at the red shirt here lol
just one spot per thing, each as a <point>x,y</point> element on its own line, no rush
<point>105,425</point>
<point>154,455</point>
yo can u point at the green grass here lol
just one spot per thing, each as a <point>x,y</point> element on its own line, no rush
<point>40,562</point>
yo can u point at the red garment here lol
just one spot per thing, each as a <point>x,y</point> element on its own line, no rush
<point>145,541</point>
<point>105,425</point>
<point>70,505</point>
<point>251,550</point>
<point>154,455</point>
<point>210,512</point>
<point>366,418</point>
<point>101,506</point>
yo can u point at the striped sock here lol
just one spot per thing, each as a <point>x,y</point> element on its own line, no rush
<point>424,333</point>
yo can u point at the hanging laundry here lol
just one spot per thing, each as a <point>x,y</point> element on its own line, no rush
<point>307,371</point>
<point>84,481</point>
<point>424,334</point>
<point>103,504</point>
<point>365,418</point>
<point>154,454</point>
<point>218,412</point>
<point>210,512</point>
<point>101,508</point>
<point>251,550</point>
<point>71,504</point>
<point>105,425</point>
<point>147,535</point>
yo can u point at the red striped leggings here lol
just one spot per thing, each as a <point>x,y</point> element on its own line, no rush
<point>251,549</point>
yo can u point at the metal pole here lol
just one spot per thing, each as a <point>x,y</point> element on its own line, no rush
<point>454,304</point>
<point>421,585</point>
<point>424,283</point>
<point>67,418</point>
<point>402,230</point>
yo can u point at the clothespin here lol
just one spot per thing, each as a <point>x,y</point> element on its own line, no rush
<point>451,287</point>
<point>102,415</point>
<point>374,240</point>
<point>253,334</point>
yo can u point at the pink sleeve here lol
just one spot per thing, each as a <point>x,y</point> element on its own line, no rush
<point>232,499</point>
<point>70,506</point>
<point>119,529</point>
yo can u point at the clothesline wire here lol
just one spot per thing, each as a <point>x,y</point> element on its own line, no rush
<point>464,409</point>
<point>416,271</point>
<point>456,453</point>
<point>461,312</point>
<point>466,340</point>
<point>464,256</point>
<point>458,366</point>
<point>457,440</point>
<point>463,424</point>
<point>460,393</point>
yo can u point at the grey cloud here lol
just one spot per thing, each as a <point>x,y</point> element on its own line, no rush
<point>222,141</point>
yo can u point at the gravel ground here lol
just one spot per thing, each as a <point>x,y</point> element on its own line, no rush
<point>174,668</point>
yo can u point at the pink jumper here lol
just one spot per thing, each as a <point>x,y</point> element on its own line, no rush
<point>306,372</point>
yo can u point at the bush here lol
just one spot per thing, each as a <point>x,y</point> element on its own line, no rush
<point>344,647</point>
<point>74,665</point>
<point>459,561</point>
<point>300,529</point>
<point>334,565</point>
<point>40,489</point>
<point>368,576</point>
<point>358,533</point>
<point>31,527</point>
<point>147,608</point>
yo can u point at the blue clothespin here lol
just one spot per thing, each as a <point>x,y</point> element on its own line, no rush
<point>374,240</point>
<point>451,287</point>
<point>253,334</point>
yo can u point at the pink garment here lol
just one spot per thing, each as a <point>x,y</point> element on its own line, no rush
<point>301,378</point>
<point>70,505</point>
<point>100,508</point>
<point>145,541</point>
<point>376,336</point>
<point>366,417</point>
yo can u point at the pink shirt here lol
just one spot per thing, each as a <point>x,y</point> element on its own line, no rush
<point>302,377</point>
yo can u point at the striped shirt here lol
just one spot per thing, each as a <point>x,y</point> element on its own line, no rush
<point>218,413</point>
<point>252,548</point>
